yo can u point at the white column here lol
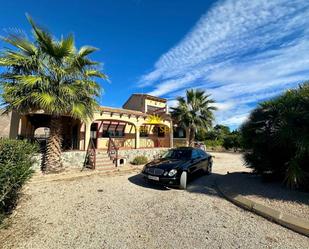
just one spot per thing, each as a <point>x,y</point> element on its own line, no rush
<point>171,135</point>
<point>87,134</point>
<point>137,137</point>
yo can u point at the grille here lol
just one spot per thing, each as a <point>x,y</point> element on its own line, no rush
<point>155,171</point>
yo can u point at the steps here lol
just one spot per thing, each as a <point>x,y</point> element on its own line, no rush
<point>103,162</point>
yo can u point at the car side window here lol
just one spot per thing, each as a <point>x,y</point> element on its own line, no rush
<point>202,153</point>
<point>195,154</point>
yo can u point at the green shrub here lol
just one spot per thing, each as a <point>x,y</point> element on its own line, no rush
<point>232,141</point>
<point>276,136</point>
<point>15,170</point>
<point>140,160</point>
<point>213,143</point>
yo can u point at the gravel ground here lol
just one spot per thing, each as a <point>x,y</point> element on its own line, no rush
<point>124,212</point>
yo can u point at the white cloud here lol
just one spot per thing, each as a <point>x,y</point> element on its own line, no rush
<point>236,119</point>
<point>224,106</point>
<point>240,51</point>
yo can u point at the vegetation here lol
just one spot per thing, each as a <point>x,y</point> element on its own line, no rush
<point>220,137</point>
<point>140,160</point>
<point>15,169</point>
<point>195,112</point>
<point>232,141</point>
<point>277,137</point>
<point>49,75</point>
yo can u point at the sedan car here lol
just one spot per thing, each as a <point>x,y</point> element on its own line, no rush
<point>177,166</point>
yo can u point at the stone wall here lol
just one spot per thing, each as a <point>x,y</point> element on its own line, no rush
<point>70,159</point>
<point>75,159</point>
<point>150,153</point>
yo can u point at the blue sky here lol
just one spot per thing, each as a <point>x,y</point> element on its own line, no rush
<point>240,51</point>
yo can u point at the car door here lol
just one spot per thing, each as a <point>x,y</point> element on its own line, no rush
<point>204,160</point>
<point>195,162</point>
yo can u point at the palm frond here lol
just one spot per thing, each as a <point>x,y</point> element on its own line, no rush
<point>86,50</point>
<point>95,73</point>
<point>21,43</point>
<point>49,75</point>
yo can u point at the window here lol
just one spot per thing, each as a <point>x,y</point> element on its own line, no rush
<point>113,129</point>
<point>112,133</point>
<point>179,132</point>
<point>155,109</point>
<point>144,131</point>
<point>178,154</point>
<point>161,131</point>
<point>202,153</point>
<point>93,130</point>
<point>195,154</point>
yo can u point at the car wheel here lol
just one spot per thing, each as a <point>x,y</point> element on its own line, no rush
<point>209,168</point>
<point>183,180</point>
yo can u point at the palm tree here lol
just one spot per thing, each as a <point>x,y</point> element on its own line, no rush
<point>49,75</point>
<point>276,137</point>
<point>194,112</point>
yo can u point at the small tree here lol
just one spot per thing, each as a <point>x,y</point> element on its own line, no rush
<point>49,75</point>
<point>232,141</point>
<point>194,112</point>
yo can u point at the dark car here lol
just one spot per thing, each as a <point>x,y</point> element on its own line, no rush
<point>177,166</point>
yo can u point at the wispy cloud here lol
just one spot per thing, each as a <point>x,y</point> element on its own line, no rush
<point>241,52</point>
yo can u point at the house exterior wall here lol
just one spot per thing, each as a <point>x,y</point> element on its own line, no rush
<point>135,102</point>
<point>9,125</point>
<point>154,103</point>
<point>134,115</point>
<point>5,125</point>
<point>140,102</point>
<point>132,138</point>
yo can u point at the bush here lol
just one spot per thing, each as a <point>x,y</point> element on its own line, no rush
<point>277,137</point>
<point>140,160</point>
<point>213,143</point>
<point>15,170</point>
<point>232,141</point>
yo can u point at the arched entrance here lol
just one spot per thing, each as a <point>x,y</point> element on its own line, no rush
<point>121,132</point>
<point>36,126</point>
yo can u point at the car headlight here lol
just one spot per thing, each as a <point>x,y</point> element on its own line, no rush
<point>172,172</point>
<point>144,168</point>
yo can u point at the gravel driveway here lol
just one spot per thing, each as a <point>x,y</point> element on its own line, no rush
<point>124,212</point>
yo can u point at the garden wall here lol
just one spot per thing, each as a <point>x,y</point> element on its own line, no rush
<point>75,159</point>
<point>70,160</point>
<point>150,153</point>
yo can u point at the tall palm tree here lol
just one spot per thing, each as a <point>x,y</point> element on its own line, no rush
<point>50,75</point>
<point>194,112</point>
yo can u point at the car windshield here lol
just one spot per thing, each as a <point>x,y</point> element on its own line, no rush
<point>178,154</point>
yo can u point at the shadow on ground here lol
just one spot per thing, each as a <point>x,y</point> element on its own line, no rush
<point>242,183</point>
<point>199,184</point>
<point>252,184</point>
<point>140,181</point>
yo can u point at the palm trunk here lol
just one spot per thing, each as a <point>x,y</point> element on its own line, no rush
<point>191,136</point>
<point>52,162</point>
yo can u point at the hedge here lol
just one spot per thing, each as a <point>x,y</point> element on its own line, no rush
<point>140,160</point>
<point>15,169</point>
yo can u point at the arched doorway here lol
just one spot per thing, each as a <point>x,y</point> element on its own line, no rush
<point>121,132</point>
<point>36,126</point>
<point>41,135</point>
